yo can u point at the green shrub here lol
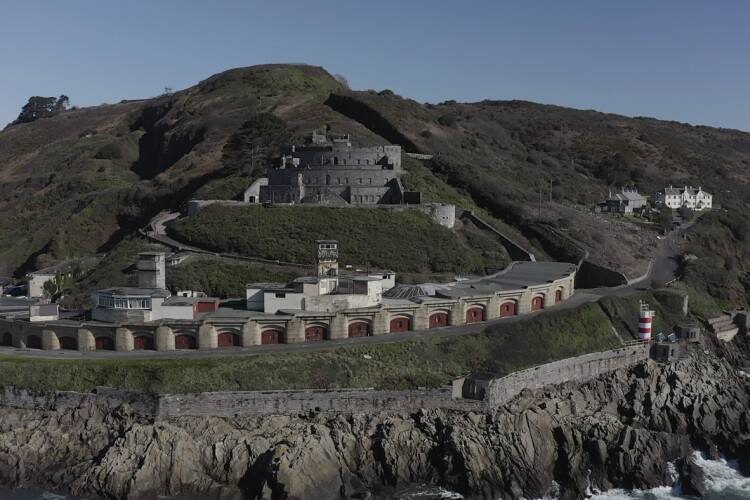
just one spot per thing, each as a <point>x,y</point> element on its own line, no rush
<point>110,151</point>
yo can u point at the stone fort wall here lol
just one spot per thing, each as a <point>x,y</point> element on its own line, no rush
<point>258,403</point>
<point>579,369</point>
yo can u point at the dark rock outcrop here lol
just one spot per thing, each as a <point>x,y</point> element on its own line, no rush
<point>621,430</point>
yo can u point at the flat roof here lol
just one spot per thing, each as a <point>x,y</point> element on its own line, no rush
<point>132,291</point>
<point>188,301</point>
<point>518,275</point>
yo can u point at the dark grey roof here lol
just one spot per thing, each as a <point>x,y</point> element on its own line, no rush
<point>188,301</point>
<point>405,292</point>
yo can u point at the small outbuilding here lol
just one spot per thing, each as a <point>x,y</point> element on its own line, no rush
<point>472,386</point>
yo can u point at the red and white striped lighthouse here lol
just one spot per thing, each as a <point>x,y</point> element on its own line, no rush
<point>644,323</point>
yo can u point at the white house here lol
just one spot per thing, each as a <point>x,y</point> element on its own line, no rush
<point>690,197</point>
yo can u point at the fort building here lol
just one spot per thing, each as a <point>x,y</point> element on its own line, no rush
<point>333,304</point>
<point>335,173</point>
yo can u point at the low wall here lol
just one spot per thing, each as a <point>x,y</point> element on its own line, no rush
<point>40,399</point>
<point>593,275</point>
<point>516,251</point>
<point>241,403</point>
<point>251,403</point>
<point>577,369</point>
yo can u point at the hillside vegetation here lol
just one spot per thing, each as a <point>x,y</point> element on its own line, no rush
<point>81,181</point>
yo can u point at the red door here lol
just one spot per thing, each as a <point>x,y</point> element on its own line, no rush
<point>359,329</point>
<point>228,339</point>
<point>105,344</point>
<point>400,325</point>
<point>146,343</point>
<point>474,315</point>
<point>507,309</point>
<point>68,343</point>
<point>7,339</point>
<point>315,333</point>
<point>34,342</point>
<point>270,337</point>
<point>438,319</point>
<point>537,303</point>
<point>184,342</point>
<point>558,296</point>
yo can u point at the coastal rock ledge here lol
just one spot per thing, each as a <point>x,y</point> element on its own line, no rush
<point>621,430</point>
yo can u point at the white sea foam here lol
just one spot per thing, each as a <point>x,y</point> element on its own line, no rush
<point>723,481</point>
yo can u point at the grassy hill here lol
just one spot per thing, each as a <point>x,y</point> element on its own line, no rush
<point>407,241</point>
<point>82,181</point>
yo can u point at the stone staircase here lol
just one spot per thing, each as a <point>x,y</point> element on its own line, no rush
<point>723,326</point>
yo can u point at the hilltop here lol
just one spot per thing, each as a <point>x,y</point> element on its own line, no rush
<point>84,180</point>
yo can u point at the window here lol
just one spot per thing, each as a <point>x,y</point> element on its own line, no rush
<point>400,323</point>
<point>507,308</point>
<point>359,328</point>
<point>359,181</point>
<point>280,295</point>
<point>229,339</point>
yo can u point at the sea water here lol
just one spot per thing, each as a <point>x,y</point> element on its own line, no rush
<point>723,480</point>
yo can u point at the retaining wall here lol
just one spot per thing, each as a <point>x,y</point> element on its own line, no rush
<point>251,403</point>
<point>241,403</point>
<point>516,251</point>
<point>579,369</point>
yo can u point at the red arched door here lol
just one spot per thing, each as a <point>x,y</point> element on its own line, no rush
<point>34,342</point>
<point>400,325</point>
<point>68,343</point>
<point>184,342</point>
<point>438,319</point>
<point>507,309</point>
<point>7,339</point>
<point>359,329</point>
<point>315,333</point>
<point>228,339</point>
<point>474,315</point>
<point>537,303</point>
<point>558,296</point>
<point>104,344</point>
<point>270,337</point>
<point>141,342</point>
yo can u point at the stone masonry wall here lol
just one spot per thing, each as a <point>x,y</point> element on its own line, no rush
<point>250,403</point>
<point>578,369</point>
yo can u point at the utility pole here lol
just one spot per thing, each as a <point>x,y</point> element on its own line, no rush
<point>540,201</point>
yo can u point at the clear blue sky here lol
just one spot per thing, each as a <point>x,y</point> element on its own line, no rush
<point>675,60</point>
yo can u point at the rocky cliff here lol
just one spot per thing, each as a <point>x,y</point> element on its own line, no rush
<point>620,430</point>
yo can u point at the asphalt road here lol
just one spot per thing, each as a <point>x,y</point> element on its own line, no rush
<point>665,265</point>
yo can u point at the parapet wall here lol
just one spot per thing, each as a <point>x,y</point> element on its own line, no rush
<point>252,403</point>
<point>579,369</point>
<point>141,402</point>
<point>239,404</point>
<point>516,251</point>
